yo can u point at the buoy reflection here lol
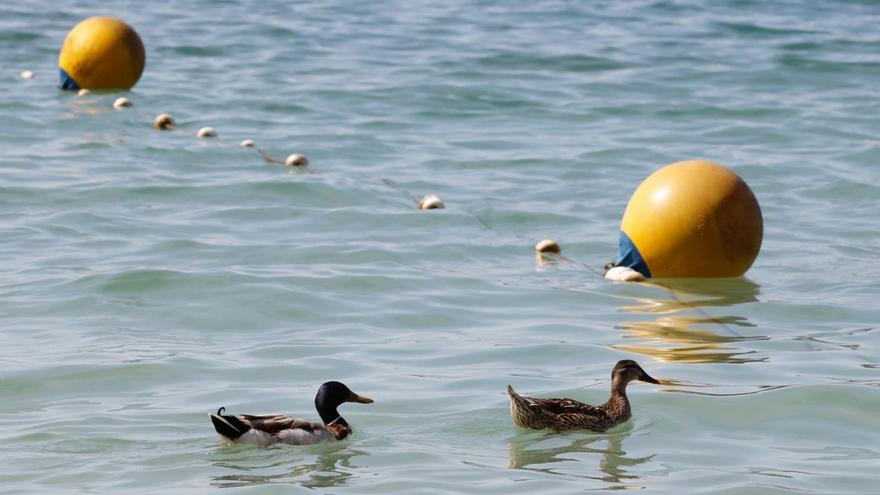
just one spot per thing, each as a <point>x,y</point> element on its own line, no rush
<point>689,338</point>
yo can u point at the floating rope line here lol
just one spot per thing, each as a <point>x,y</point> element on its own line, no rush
<point>403,192</point>
<point>413,199</point>
<point>265,156</point>
<point>669,290</point>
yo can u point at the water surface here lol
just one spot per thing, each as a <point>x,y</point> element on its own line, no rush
<point>148,278</point>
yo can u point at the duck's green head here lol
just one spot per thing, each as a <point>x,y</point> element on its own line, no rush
<point>629,370</point>
<point>330,395</point>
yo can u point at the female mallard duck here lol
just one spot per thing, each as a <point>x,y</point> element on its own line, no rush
<point>267,429</point>
<point>569,414</point>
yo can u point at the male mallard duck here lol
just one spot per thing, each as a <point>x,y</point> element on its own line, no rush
<point>569,414</point>
<point>267,429</point>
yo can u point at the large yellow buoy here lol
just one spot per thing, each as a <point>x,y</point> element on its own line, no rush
<point>101,53</point>
<point>693,218</point>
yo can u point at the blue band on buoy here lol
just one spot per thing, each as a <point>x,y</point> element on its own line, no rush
<point>628,255</point>
<point>67,82</point>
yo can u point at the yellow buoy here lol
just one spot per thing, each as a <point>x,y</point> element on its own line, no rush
<point>101,53</point>
<point>693,218</point>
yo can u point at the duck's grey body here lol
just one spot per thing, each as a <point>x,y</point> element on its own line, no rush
<point>268,429</point>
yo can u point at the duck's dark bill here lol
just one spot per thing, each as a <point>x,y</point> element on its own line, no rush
<point>644,377</point>
<point>361,399</point>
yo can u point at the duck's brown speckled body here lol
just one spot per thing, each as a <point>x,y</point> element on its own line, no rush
<point>569,414</point>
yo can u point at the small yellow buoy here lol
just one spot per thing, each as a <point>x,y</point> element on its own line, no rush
<point>164,122</point>
<point>26,74</point>
<point>206,132</point>
<point>693,218</point>
<point>547,246</point>
<point>296,160</point>
<point>431,202</point>
<point>121,103</point>
<point>247,143</point>
<point>101,53</point>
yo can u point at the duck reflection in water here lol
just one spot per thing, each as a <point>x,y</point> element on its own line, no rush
<point>331,467</point>
<point>576,448</point>
<point>702,338</point>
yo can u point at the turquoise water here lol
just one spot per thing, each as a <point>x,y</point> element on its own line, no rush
<point>149,277</point>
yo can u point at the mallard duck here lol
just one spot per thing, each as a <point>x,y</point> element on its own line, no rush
<point>267,429</point>
<point>569,414</point>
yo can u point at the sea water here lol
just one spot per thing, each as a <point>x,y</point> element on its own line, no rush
<point>150,277</point>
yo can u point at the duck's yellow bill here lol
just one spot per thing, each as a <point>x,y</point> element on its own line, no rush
<point>361,399</point>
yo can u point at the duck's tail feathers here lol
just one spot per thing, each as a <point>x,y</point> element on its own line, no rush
<point>229,426</point>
